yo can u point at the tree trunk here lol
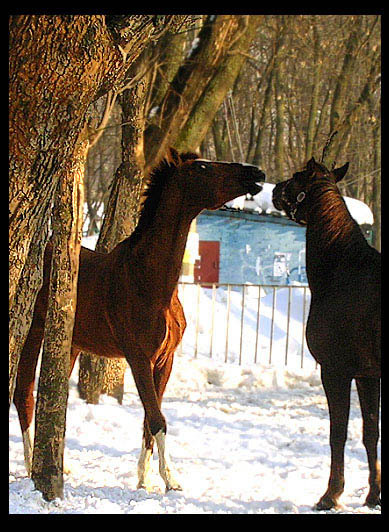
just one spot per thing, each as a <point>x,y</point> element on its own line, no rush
<point>279,147</point>
<point>50,420</point>
<point>220,138</point>
<point>257,157</point>
<point>58,66</point>
<point>340,96</point>
<point>214,41</point>
<point>344,127</point>
<point>171,57</point>
<point>36,113</point>
<point>376,192</point>
<point>312,119</point>
<point>98,375</point>
<point>205,109</point>
<point>340,99</point>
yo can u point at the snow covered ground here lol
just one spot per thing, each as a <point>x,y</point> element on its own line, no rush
<point>244,438</point>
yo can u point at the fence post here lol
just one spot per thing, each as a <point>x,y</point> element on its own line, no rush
<point>212,317</point>
<point>303,333</point>
<point>272,323</point>
<point>241,325</point>
<point>257,329</point>
<point>228,319</point>
<point>287,324</point>
<point>197,317</point>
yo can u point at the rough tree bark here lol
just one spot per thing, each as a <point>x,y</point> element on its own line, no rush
<point>257,158</point>
<point>205,108</point>
<point>279,143</point>
<point>349,116</point>
<point>376,192</point>
<point>312,119</point>
<point>98,375</point>
<point>213,43</point>
<point>58,66</point>
<point>50,420</point>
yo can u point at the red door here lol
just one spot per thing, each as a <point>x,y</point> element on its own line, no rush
<point>207,268</point>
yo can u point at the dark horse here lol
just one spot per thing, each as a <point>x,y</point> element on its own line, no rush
<point>127,303</point>
<point>344,324</point>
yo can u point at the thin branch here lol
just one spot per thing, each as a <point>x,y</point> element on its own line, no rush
<point>327,144</point>
<point>109,104</point>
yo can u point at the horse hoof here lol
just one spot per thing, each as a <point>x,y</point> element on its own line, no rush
<point>143,486</point>
<point>373,502</point>
<point>326,503</point>
<point>173,487</point>
<point>67,470</point>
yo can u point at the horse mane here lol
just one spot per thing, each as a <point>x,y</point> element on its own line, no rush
<point>152,193</point>
<point>332,217</point>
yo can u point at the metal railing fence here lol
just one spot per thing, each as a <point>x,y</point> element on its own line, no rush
<point>246,324</point>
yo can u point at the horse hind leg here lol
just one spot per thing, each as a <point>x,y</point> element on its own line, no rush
<point>23,395</point>
<point>369,398</point>
<point>337,389</point>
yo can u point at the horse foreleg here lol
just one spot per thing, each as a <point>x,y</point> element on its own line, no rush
<point>369,398</point>
<point>165,467</point>
<point>142,370</point>
<point>337,390</point>
<point>162,370</point>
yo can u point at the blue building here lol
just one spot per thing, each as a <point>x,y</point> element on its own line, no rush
<point>256,244</point>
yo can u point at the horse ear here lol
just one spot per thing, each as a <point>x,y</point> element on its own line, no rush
<point>172,156</point>
<point>311,164</point>
<point>340,172</point>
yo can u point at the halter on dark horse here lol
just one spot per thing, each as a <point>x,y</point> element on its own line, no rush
<point>344,324</point>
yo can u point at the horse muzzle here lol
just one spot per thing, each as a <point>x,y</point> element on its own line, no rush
<point>277,197</point>
<point>254,188</point>
<point>252,181</point>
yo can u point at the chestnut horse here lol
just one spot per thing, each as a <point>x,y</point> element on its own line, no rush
<point>127,303</point>
<point>344,324</point>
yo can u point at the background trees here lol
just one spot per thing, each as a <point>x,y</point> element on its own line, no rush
<point>265,89</point>
<point>303,77</point>
<point>268,90</point>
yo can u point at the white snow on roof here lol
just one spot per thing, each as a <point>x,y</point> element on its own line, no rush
<point>262,203</point>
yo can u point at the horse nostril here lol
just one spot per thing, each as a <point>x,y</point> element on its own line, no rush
<point>259,175</point>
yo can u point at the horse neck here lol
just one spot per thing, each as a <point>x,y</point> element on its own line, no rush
<point>155,255</point>
<point>333,236</point>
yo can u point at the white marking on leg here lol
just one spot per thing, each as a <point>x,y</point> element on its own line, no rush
<point>28,448</point>
<point>165,468</point>
<point>28,439</point>
<point>144,467</point>
<point>67,467</point>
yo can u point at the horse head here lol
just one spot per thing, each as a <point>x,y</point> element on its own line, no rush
<point>292,195</point>
<point>210,184</point>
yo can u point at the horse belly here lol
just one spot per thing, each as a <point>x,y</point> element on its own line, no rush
<point>91,333</point>
<point>333,338</point>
